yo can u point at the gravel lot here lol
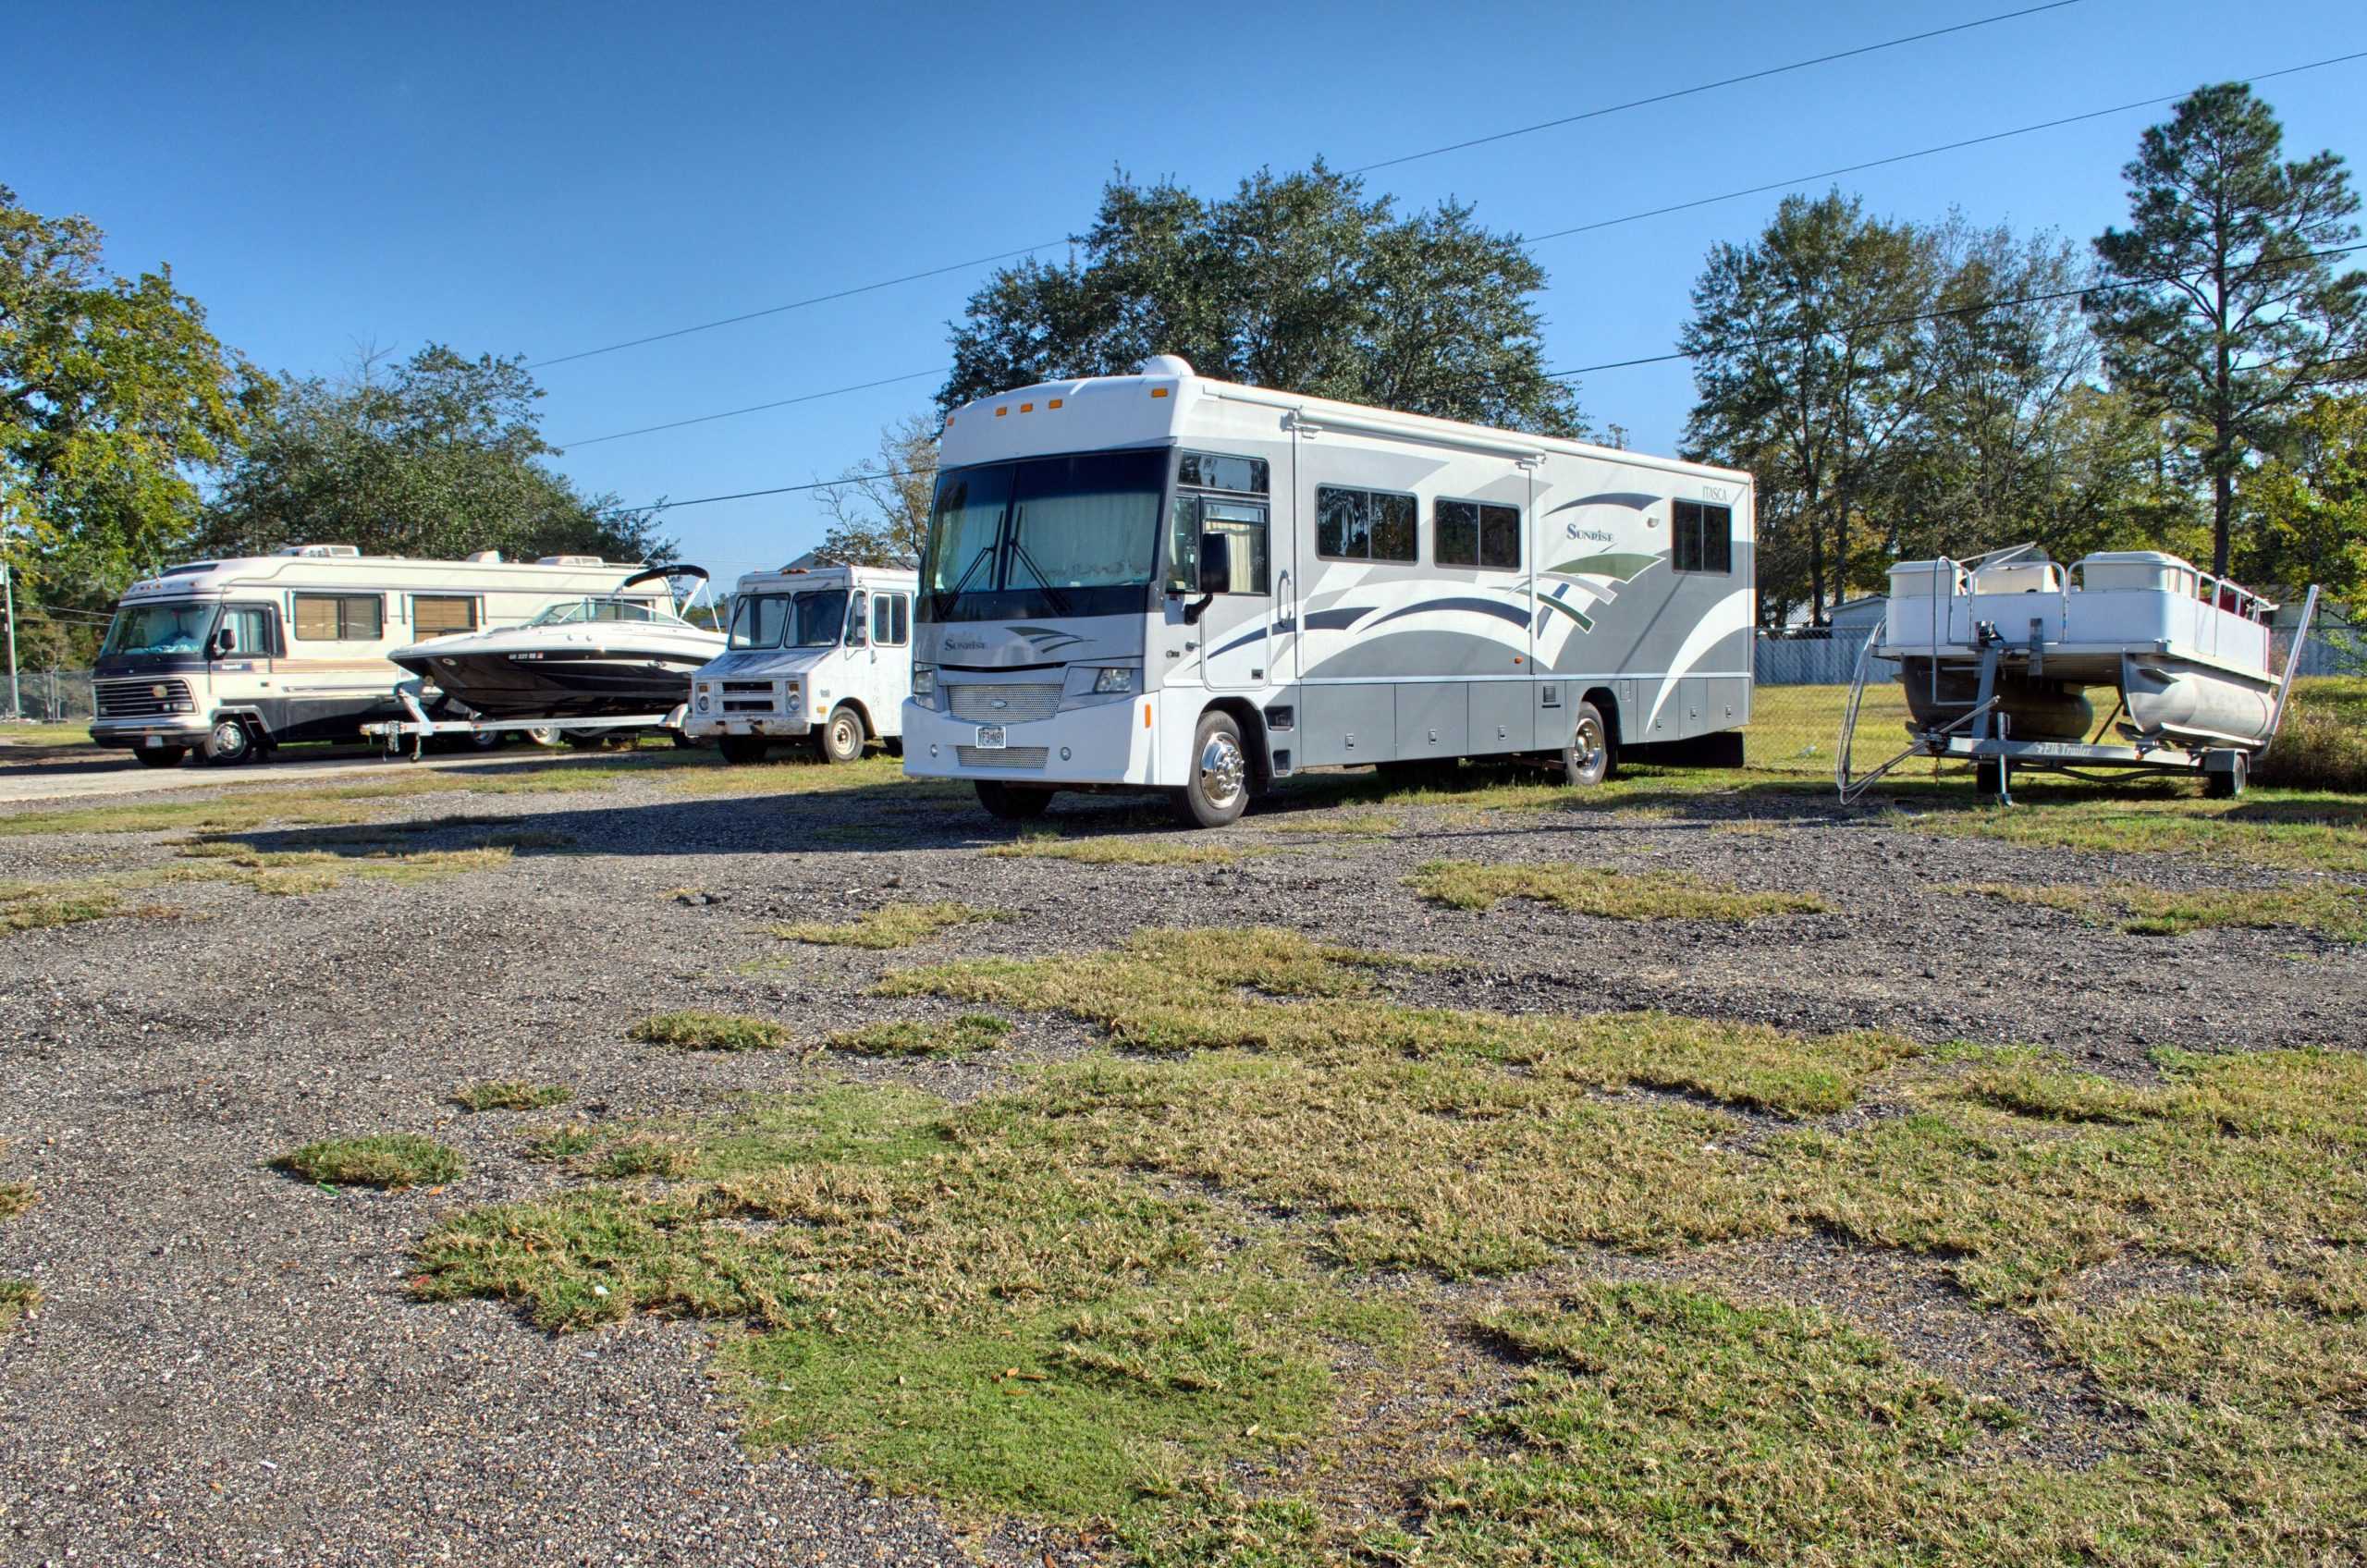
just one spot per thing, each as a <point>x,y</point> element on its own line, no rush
<point>228,1368</point>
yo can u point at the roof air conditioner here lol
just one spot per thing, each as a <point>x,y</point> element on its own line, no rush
<point>339,552</point>
<point>570,560</point>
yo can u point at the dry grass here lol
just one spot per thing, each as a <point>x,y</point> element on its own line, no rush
<point>697,1030</point>
<point>19,1299</point>
<point>1165,849</point>
<point>965,1035</point>
<point>2329,909</point>
<point>1343,824</point>
<point>509,1094</point>
<point>889,926</point>
<point>388,1159</point>
<point>16,1197</point>
<point>2287,831</point>
<point>2324,742</point>
<point>1598,890</point>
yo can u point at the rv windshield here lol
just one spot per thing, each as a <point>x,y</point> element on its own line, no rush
<point>144,630</point>
<point>1071,535</point>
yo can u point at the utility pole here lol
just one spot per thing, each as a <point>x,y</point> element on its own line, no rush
<point>8,593</point>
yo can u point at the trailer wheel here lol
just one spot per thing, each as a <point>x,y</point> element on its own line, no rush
<point>739,749</point>
<point>1587,760</point>
<point>1218,790</point>
<point>161,757</point>
<point>842,739</point>
<point>1006,802</point>
<point>484,740</point>
<point>231,744</point>
<point>2226,780</point>
<point>543,736</point>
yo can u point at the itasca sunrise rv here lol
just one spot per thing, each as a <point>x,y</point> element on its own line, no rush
<point>1167,582</point>
<point>230,658</point>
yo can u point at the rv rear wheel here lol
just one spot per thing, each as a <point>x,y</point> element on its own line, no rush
<point>1587,760</point>
<point>162,756</point>
<point>1215,790</point>
<point>740,749</point>
<point>231,744</point>
<point>842,739</point>
<point>1009,803</point>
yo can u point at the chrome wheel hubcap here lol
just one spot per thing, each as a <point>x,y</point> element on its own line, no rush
<point>1587,748</point>
<point>228,738</point>
<point>1222,768</point>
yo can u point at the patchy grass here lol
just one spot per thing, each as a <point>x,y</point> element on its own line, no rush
<point>509,1094</point>
<point>16,1197</point>
<point>698,1031</point>
<point>889,926</point>
<point>1598,890</point>
<point>1344,824</point>
<point>245,810</point>
<point>387,1160</point>
<point>2335,910</point>
<point>2294,831</point>
<point>1113,849</point>
<point>18,1300</point>
<point>970,1033</point>
<point>877,775</point>
<point>46,910</point>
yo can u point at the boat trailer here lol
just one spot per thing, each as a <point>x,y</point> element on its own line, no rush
<point>419,728</point>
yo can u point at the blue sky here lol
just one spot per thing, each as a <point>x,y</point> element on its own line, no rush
<point>541,179</point>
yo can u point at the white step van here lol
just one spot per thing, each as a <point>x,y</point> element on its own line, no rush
<point>820,656</point>
<point>228,659</point>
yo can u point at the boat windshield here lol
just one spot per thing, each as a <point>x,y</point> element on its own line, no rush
<point>1069,535</point>
<point>579,611</point>
<point>143,630</point>
<point>813,618</point>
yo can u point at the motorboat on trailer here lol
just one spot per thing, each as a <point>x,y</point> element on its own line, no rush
<point>1997,657</point>
<point>614,655</point>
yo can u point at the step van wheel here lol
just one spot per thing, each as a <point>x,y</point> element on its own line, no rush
<point>842,739</point>
<point>1217,789</point>
<point>741,749</point>
<point>1011,802</point>
<point>1587,761</point>
<point>161,757</point>
<point>231,744</point>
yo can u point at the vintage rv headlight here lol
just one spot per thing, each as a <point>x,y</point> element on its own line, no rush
<point>925,683</point>
<point>1114,679</point>
<point>702,699</point>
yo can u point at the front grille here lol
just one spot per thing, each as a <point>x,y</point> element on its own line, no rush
<point>761,688</point>
<point>744,706</point>
<point>978,701</point>
<point>137,699</point>
<point>1002,756</point>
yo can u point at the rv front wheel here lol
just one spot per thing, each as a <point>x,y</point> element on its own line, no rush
<point>842,737</point>
<point>1218,790</point>
<point>231,744</point>
<point>1586,761</point>
<point>1005,804</point>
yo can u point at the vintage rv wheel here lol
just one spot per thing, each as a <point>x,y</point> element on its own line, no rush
<point>1219,789</point>
<point>842,737</point>
<point>740,749</point>
<point>231,744</point>
<point>161,757</point>
<point>1007,803</point>
<point>1586,761</point>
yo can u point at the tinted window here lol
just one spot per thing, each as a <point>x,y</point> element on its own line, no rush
<point>1701,537</point>
<point>1475,533</point>
<point>1363,524</point>
<point>1209,471</point>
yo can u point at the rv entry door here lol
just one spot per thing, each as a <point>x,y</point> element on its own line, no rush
<point>1238,629</point>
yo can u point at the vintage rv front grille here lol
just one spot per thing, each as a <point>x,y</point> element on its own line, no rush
<point>985,702</point>
<point>1002,756</point>
<point>137,699</point>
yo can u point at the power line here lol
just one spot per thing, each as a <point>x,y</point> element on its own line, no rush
<point>1981,308</point>
<point>1386,163</point>
<point>1978,309</point>
<point>1590,228</point>
<point>1711,86</point>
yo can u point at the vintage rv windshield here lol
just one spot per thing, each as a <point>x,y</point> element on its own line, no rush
<point>174,627</point>
<point>812,619</point>
<point>1067,535</point>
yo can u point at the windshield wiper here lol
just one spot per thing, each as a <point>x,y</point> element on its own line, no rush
<point>984,550</point>
<point>1060,600</point>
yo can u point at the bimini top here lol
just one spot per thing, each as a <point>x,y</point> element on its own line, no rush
<point>1165,400</point>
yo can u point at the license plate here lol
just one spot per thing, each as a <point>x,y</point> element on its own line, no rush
<point>151,740</point>
<point>990,737</point>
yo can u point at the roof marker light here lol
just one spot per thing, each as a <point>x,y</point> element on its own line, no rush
<point>1053,404</point>
<point>1001,411</point>
<point>1027,407</point>
<point>1158,391</point>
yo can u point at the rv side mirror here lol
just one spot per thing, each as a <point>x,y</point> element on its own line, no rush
<point>225,641</point>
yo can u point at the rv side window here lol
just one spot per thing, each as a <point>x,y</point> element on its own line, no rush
<point>440,615</point>
<point>1209,471</point>
<point>1363,525</point>
<point>1702,537</point>
<point>341,618</point>
<point>1477,534</point>
<point>890,620</point>
<point>250,630</point>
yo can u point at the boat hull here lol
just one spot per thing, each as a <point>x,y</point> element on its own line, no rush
<point>2182,704</point>
<point>557,683</point>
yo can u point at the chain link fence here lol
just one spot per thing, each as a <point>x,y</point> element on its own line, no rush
<point>54,696</point>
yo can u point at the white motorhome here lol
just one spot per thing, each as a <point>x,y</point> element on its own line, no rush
<point>1168,582</point>
<point>818,656</point>
<point>230,658</point>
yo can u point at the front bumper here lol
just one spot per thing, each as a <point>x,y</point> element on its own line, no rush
<point>706,726</point>
<point>133,734</point>
<point>1101,744</point>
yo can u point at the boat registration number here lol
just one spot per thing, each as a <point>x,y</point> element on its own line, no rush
<point>990,737</point>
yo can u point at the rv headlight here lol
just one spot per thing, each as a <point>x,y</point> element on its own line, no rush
<point>925,682</point>
<point>702,699</point>
<point>1115,679</point>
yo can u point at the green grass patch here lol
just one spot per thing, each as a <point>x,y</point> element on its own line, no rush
<point>891,926</point>
<point>694,1030</point>
<point>965,1035</point>
<point>18,1300</point>
<point>1112,848</point>
<point>509,1094</point>
<point>2334,911</point>
<point>386,1160</point>
<point>1598,890</point>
